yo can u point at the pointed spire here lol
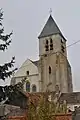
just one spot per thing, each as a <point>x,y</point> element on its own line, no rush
<point>50,28</point>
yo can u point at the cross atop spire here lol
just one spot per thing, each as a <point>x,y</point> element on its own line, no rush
<point>50,11</point>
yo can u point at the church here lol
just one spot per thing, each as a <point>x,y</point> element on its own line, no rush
<point>53,68</point>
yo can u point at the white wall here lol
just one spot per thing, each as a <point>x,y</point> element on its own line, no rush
<point>34,80</point>
<point>33,77</point>
<point>72,106</point>
<point>27,66</point>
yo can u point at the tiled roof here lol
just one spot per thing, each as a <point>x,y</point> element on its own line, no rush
<point>71,98</point>
<point>35,97</point>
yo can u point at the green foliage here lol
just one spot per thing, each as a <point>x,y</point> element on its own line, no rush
<point>4,38</point>
<point>45,110</point>
<point>9,91</point>
<point>5,41</point>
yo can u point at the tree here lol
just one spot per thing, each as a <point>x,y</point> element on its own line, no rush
<point>10,93</point>
<point>5,69</point>
<point>45,110</point>
<point>7,92</point>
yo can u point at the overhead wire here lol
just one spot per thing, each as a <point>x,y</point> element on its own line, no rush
<point>64,48</point>
<point>73,43</point>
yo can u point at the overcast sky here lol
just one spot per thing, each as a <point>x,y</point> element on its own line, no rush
<point>27,17</point>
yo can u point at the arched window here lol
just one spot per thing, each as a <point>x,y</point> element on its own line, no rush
<point>27,72</point>
<point>33,88</point>
<point>28,86</point>
<point>51,44</point>
<point>46,46</point>
<point>51,40</point>
<point>46,41</point>
<point>49,70</point>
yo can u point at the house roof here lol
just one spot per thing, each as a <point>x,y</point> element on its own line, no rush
<point>71,98</point>
<point>35,97</point>
<point>50,28</point>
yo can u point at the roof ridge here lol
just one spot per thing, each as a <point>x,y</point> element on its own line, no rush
<point>35,62</point>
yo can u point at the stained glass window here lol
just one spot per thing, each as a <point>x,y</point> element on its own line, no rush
<point>28,86</point>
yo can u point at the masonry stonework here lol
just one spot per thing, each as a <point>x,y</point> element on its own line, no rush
<point>52,68</point>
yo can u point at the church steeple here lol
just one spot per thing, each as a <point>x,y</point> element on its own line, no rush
<point>54,68</point>
<point>50,28</point>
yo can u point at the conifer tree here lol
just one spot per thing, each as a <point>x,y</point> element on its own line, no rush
<point>6,92</point>
<point>5,40</point>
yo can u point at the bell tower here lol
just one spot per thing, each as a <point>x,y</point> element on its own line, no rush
<point>54,66</point>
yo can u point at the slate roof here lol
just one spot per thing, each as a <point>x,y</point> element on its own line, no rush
<point>50,28</point>
<point>71,98</point>
<point>35,62</point>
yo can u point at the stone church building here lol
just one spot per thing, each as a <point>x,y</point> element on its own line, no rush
<point>53,68</point>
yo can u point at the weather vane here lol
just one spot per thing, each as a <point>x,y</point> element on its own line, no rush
<point>50,11</point>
